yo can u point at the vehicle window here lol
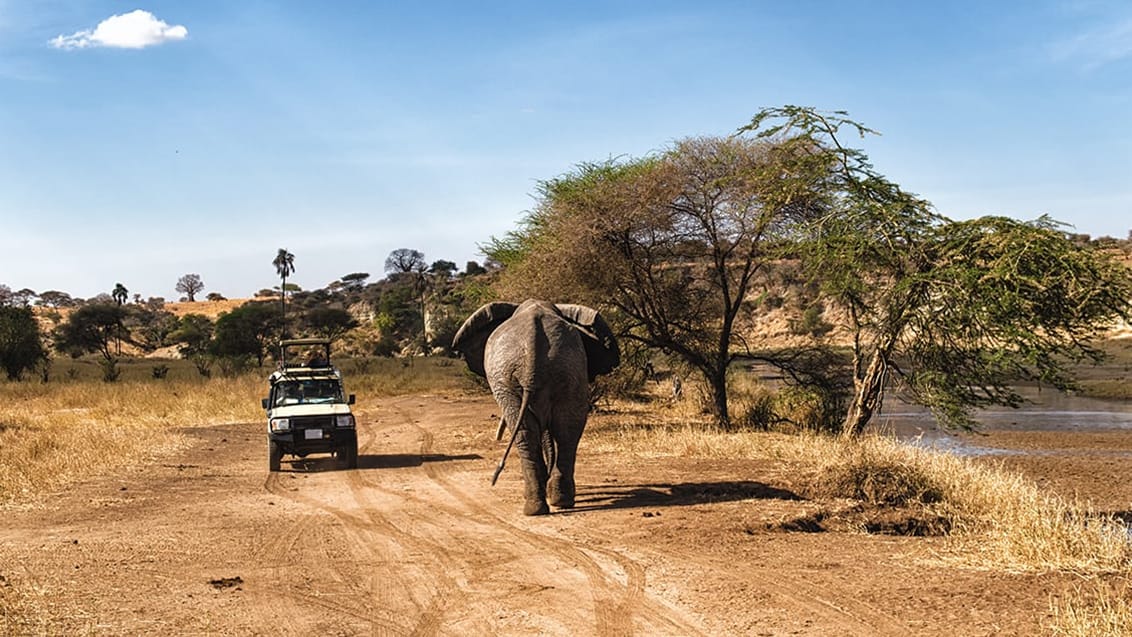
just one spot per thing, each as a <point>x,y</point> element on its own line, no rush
<point>311,391</point>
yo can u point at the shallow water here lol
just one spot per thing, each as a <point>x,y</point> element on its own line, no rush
<point>1047,411</point>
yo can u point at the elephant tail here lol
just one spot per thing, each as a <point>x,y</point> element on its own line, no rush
<point>514,433</point>
<point>549,449</point>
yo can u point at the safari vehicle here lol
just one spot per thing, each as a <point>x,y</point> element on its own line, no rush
<point>307,410</point>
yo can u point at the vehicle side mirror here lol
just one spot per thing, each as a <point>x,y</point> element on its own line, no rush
<point>351,399</point>
<point>263,402</point>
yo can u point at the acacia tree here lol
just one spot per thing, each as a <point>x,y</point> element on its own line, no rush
<point>329,322</point>
<point>190,285</point>
<point>672,242</point>
<point>958,311</point>
<point>284,263</point>
<point>354,281</point>
<point>245,332</point>
<point>193,334</point>
<point>91,328</point>
<point>21,345</point>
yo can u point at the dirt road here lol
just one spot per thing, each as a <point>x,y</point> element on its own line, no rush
<point>416,542</point>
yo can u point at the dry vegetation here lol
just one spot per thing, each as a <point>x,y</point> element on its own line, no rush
<point>52,434</point>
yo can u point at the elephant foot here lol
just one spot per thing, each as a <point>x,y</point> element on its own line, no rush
<point>537,507</point>
<point>561,494</point>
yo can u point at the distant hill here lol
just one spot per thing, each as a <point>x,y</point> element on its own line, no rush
<point>211,309</point>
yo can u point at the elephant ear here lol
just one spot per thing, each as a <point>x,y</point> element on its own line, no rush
<point>602,352</point>
<point>471,338</point>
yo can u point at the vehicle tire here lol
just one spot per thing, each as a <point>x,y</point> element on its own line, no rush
<point>274,455</point>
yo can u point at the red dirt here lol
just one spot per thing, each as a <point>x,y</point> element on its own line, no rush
<point>416,542</point>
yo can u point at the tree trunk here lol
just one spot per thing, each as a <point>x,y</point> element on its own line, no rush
<point>717,378</point>
<point>283,307</point>
<point>869,391</point>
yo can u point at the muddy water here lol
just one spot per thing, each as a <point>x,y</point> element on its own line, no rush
<point>1048,411</point>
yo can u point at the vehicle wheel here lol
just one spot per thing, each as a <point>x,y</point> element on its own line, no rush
<point>348,456</point>
<point>274,455</point>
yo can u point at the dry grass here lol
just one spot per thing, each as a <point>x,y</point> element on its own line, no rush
<point>75,426</point>
<point>997,519</point>
<point>51,434</point>
<point>1105,611</point>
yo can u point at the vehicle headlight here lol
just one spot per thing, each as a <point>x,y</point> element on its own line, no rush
<point>279,424</point>
<point>346,420</point>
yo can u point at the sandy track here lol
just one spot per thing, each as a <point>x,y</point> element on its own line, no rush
<point>416,542</point>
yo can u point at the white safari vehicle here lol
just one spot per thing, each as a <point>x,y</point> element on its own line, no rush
<point>308,410</point>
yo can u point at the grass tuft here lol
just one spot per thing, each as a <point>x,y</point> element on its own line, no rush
<point>996,519</point>
<point>1104,612</point>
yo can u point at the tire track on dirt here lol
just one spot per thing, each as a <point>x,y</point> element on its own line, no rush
<point>445,591</point>
<point>376,614</point>
<point>273,602</point>
<point>616,605</point>
<point>431,592</point>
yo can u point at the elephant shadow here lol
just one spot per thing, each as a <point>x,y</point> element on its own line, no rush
<point>677,494</point>
<point>376,461</point>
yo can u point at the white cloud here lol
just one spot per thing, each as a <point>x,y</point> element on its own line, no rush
<point>134,30</point>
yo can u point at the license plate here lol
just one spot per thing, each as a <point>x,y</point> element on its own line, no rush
<point>313,434</point>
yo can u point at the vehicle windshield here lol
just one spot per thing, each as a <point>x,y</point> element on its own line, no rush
<point>309,391</point>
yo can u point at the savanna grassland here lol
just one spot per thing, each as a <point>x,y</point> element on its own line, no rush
<point>141,506</point>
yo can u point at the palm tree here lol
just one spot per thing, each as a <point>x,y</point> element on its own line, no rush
<point>120,294</point>
<point>284,264</point>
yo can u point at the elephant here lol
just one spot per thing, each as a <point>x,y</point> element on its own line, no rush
<point>539,359</point>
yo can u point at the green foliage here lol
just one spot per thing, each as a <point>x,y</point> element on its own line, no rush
<point>110,371</point>
<point>21,345</point>
<point>973,307</point>
<point>329,322</point>
<point>193,333</point>
<point>245,333</point>
<point>669,245</point>
<point>355,280</point>
<point>148,328</point>
<point>91,328</point>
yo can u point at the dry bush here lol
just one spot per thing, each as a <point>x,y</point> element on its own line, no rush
<point>997,519</point>
<point>1106,611</point>
<point>872,474</point>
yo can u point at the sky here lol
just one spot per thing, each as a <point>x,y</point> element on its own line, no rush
<point>144,140</point>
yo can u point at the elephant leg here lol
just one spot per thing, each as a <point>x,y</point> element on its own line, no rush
<point>534,473</point>
<point>561,489</point>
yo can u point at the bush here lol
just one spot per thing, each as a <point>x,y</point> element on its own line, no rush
<point>110,371</point>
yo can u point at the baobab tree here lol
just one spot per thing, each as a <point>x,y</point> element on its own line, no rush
<point>189,285</point>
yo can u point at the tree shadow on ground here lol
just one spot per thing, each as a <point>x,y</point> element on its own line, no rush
<point>375,461</point>
<point>679,494</point>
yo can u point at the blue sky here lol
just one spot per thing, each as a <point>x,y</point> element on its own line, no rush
<point>145,140</point>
